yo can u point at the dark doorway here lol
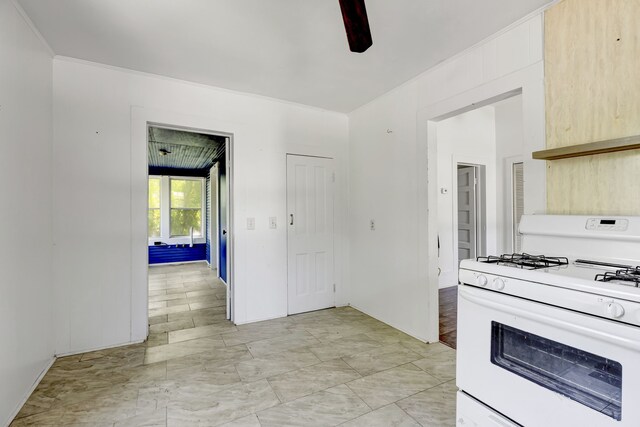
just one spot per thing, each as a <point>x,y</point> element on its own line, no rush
<point>448,315</point>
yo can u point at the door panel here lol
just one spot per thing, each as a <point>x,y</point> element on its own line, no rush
<point>467,213</point>
<point>310,233</point>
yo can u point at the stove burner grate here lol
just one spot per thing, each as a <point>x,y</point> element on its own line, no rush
<point>629,275</point>
<point>525,261</point>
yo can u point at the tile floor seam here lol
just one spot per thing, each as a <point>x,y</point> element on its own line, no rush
<point>320,390</point>
<point>394,367</point>
<point>274,392</point>
<point>429,373</point>
<point>359,397</point>
<point>422,391</point>
<point>408,414</point>
<point>283,372</point>
<point>235,366</point>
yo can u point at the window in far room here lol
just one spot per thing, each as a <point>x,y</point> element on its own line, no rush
<point>154,206</point>
<point>186,207</point>
<point>176,207</point>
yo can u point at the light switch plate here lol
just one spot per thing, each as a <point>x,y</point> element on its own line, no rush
<point>251,223</point>
<point>273,222</point>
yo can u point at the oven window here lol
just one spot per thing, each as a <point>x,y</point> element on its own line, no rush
<point>591,380</point>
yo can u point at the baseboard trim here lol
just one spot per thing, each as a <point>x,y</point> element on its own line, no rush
<point>76,352</point>
<point>261,319</point>
<point>287,315</point>
<point>31,390</point>
<point>162,264</point>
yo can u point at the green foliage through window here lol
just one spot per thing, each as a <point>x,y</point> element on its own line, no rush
<point>183,219</point>
<point>154,207</point>
<point>186,207</point>
<point>154,222</point>
<point>154,193</point>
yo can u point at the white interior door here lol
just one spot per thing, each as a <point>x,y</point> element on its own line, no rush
<point>309,233</point>
<point>467,215</point>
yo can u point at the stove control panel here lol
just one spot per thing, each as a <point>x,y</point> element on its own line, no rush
<point>587,301</point>
<point>604,224</point>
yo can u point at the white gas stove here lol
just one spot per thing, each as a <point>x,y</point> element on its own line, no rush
<point>553,339</point>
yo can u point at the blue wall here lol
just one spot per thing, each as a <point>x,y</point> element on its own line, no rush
<point>159,254</point>
<point>223,198</point>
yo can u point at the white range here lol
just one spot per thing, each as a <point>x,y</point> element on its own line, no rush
<point>553,340</point>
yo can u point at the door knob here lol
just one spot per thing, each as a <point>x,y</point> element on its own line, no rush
<point>290,219</point>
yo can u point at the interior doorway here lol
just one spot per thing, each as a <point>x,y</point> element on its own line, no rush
<point>474,147</point>
<point>471,224</point>
<point>189,231</point>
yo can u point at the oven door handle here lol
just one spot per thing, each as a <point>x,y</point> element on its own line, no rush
<point>628,343</point>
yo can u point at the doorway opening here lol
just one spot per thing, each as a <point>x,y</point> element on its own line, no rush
<point>476,150</point>
<point>189,189</point>
<point>471,223</point>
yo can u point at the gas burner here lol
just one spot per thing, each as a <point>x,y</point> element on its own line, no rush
<point>525,261</point>
<point>627,276</point>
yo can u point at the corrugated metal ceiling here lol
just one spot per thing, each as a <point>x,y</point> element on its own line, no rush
<point>186,150</point>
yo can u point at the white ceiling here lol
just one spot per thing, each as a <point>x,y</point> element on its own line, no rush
<point>294,50</point>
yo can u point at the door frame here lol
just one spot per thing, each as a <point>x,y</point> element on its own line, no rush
<point>229,181</point>
<point>141,119</point>
<point>527,81</point>
<point>333,195</point>
<point>480,166</point>
<point>213,225</point>
<point>507,184</point>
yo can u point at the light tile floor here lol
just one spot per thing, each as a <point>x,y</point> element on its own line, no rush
<point>324,368</point>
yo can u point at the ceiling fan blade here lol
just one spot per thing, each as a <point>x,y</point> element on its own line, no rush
<point>354,15</point>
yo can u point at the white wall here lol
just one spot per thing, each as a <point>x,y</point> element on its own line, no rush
<point>509,148</point>
<point>99,159</point>
<point>384,187</point>
<point>25,216</point>
<point>392,175</point>
<point>466,138</point>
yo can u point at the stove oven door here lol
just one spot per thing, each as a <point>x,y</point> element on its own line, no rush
<point>541,365</point>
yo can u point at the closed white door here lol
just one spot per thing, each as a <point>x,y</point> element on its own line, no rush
<point>467,213</point>
<point>309,233</point>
